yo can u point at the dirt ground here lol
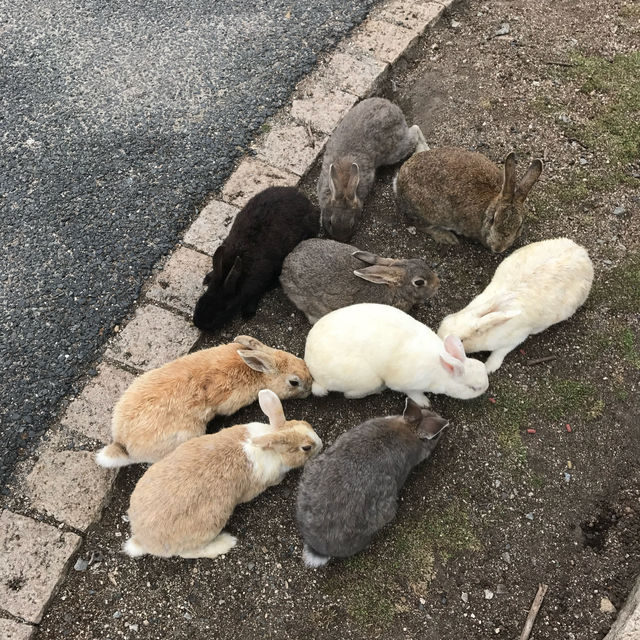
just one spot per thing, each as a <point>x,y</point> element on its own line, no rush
<point>498,509</point>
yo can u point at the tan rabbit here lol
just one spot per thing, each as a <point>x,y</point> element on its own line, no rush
<point>167,406</point>
<point>181,503</point>
<point>451,190</point>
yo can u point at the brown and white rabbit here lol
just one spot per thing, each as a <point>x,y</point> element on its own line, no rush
<point>181,504</point>
<point>167,406</point>
<point>451,190</point>
<point>372,134</point>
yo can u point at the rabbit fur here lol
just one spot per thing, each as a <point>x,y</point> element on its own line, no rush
<point>181,504</point>
<point>167,406</point>
<point>372,134</point>
<point>365,348</point>
<point>350,491</point>
<point>536,286</point>
<point>249,260</point>
<point>451,190</point>
<point>321,275</point>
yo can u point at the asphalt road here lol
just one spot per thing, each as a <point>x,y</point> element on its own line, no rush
<point>116,119</point>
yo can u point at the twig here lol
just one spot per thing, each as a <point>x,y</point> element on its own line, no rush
<point>582,144</point>
<point>540,360</point>
<point>533,612</point>
<point>559,63</point>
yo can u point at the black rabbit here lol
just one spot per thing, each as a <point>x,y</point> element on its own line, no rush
<point>350,491</point>
<point>249,260</point>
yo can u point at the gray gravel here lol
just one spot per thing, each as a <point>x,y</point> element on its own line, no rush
<point>116,119</point>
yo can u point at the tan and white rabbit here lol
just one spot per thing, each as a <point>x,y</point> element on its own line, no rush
<point>167,406</point>
<point>451,190</point>
<point>365,348</point>
<point>181,504</point>
<point>535,287</point>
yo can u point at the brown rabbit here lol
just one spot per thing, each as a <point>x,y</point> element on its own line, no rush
<point>181,503</point>
<point>167,406</point>
<point>453,190</point>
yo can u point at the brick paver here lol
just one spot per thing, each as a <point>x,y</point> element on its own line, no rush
<point>10,630</point>
<point>153,337</point>
<point>385,41</point>
<point>211,227</point>
<point>323,107</point>
<point>33,556</point>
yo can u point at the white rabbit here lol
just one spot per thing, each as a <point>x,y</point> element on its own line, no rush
<point>365,348</point>
<point>535,287</point>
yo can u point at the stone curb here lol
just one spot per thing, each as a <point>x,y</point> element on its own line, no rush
<point>627,624</point>
<point>65,484</point>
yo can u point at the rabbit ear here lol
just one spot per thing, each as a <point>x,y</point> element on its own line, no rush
<point>354,179</point>
<point>454,356</point>
<point>529,179</point>
<point>333,180</point>
<point>497,317</point>
<point>258,361</point>
<point>431,426</point>
<point>231,281</point>
<point>217,273</point>
<point>380,275</point>
<point>248,342</point>
<point>271,407</point>
<point>371,258</point>
<point>412,411</point>
<point>509,177</point>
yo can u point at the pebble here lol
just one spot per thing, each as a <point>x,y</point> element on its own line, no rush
<point>455,24</point>
<point>583,161</point>
<point>506,556</point>
<point>81,564</point>
<point>529,516</point>
<point>606,606</point>
<point>504,29</point>
<point>501,588</point>
<point>567,476</point>
<point>116,615</point>
<point>488,594</point>
<point>618,211</point>
<point>465,597</point>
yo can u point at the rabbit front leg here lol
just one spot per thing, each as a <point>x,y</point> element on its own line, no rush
<point>420,142</point>
<point>441,235</point>
<point>494,361</point>
<point>419,398</point>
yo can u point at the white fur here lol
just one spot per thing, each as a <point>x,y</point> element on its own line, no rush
<point>111,462</point>
<point>133,549</point>
<point>221,544</point>
<point>266,464</point>
<point>535,287</point>
<point>313,559</point>
<point>364,348</point>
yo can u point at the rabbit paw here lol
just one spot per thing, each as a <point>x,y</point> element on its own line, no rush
<point>443,236</point>
<point>318,390</point>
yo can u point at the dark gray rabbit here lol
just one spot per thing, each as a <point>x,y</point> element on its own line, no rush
<point>349,492</point>
<point>372,134</point>
<point>320,276</point>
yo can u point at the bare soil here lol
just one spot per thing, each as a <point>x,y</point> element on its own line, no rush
<point>498,509</point>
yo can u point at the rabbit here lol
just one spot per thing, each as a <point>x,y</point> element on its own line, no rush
<point>372,134</point>
<point>350,491</point>
<point>167,406</point>
<point>365,348</point>
<point>249,260</point>
<point>181,504</point>
<point>536,286</point>
<point>451,190</point>
<point>321,275</point>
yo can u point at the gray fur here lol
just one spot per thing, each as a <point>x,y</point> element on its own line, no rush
<point>372,134</point>
<point>318,277</point>
<point>349,492</point>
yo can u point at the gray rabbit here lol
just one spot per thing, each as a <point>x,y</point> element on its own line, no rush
<point>320,276</point>
<point>372,134</point>
<point>349,492</point>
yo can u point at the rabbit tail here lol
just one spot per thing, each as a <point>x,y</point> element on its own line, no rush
<point>113,455</point>
<point>133,548</point>
<point>313,559</point>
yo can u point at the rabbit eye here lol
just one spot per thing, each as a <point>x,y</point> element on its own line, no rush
<point>306,447</point>
<point>294,383</point>
<point>419,282</point>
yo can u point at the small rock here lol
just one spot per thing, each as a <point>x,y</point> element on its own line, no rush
<point>567,477</point>
<point>116,615</point>
<point>412,230</point>
<point>503,30</point>
<point>133,627</point>
<point>618,211</point>
<point>81,565</point>
<point>606,606</point>
<point>583,161</point>
<point>187,615</point>
<point>501,589</point>
<point>506,556</point>
<point>465,597</point>
<point>455,24</point>
<point>488,594</point>
<point>529,516</point>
